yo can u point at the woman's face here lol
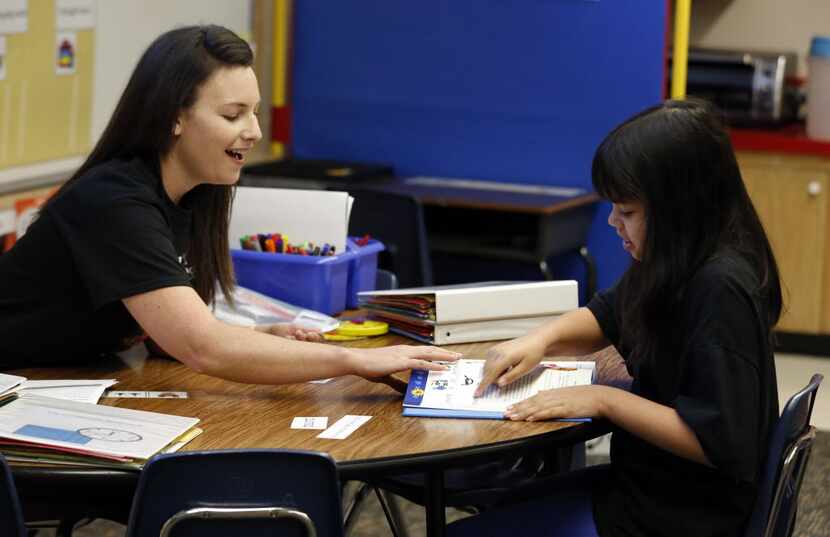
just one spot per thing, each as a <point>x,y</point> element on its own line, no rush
<point>629,221</point>
<point>215,134</point>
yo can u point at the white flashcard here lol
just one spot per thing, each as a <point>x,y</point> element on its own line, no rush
<point>129,394</point>
<point>315,422</point>
<point>14,16</point>
<point>2,57</point>
<point>75,14</point>
<point>343,427</point>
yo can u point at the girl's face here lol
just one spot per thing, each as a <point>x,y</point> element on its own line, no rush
<point>629,221</point>
<point>215,134</point>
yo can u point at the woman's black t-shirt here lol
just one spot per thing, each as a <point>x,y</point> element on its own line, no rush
<point>726,394</point>
<point>112,234</point>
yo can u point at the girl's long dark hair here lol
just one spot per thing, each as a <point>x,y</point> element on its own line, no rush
<point>677,160</point>
<point>165,82</point>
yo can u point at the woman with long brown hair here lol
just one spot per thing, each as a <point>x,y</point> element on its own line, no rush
<point>136,240</point>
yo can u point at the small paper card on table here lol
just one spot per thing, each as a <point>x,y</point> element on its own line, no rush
<point>343,427</point>
<point>314,422</point>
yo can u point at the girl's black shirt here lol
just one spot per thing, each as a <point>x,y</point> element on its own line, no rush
<point>112,234</point>
<point>727,395</point>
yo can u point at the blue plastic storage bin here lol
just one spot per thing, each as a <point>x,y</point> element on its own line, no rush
<point>363,268</point>
<point>314,282</point>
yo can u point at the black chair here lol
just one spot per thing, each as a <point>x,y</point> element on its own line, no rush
<point>251,492</point>
<point>397,220</point>
<point>11,516</point>
<point>385,280</point>
<point>789,451</point>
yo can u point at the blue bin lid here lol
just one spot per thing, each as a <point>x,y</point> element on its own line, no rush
<point>820,46</point>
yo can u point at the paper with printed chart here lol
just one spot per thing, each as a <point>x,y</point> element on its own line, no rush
<point>90,429</point>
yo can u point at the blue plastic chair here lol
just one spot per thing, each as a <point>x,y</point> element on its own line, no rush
<point>11,516</point>
<point>249,492</point>
<point>789,451</point>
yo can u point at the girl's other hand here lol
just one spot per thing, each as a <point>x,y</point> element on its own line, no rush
<point>570,402</point>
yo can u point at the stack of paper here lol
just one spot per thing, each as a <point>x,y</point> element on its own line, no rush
<point>82,390</point>
<point>51,431</point>
<point>470,312</point>
<point>449,393</point>
<point>317,216</point>
<point>9,384</point>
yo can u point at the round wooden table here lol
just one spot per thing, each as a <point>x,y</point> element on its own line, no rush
<point>237,415</point>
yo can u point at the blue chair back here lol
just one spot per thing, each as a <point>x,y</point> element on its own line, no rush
<point>11,517</point>
<point>789,451</point>
<point>251,492</point>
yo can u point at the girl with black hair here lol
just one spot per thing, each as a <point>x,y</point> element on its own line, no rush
<point>136,240</point>
<point>692,317</point>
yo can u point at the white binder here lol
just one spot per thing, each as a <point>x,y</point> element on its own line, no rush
<point>493,300</point>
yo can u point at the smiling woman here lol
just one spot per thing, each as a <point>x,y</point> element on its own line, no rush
<point>133,245</point>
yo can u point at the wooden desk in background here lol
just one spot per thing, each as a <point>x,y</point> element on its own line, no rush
<point>237,415</point>
<point>493,220</point>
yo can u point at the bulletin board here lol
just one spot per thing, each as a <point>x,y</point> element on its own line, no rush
<point>46,90</point>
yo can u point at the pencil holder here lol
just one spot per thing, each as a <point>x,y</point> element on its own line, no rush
<point>317,283</point>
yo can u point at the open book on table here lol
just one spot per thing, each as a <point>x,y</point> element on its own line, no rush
<point>449,394</point>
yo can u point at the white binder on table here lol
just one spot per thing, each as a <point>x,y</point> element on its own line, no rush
<point>471,312</point>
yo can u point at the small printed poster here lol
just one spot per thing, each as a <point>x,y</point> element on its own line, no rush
<point>66,45</point>
<point>2,57</point>
<point>14,16</point>
<point>74,14</point>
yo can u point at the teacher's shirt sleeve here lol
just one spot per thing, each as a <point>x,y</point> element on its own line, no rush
<point>122,249</point>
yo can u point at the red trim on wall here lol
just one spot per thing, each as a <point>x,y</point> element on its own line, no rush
<point>664,91</point>
<point>281,124</point>
<point>790,139</point>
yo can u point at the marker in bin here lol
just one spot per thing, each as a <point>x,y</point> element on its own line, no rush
<point>276,243</point>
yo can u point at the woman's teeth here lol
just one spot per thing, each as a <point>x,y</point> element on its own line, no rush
<point>235,154</point>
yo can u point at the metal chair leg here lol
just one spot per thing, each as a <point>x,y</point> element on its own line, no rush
<point>392,510</point>
<point>357,505</point>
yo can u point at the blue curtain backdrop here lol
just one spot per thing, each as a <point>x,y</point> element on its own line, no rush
<point>517,91</point>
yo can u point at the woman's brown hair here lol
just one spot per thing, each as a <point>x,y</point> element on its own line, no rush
<point>165,82</point>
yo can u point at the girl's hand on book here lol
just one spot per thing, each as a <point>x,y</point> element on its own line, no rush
<point>570,402</point>
<point>382,361</point>
<point>510,360</point>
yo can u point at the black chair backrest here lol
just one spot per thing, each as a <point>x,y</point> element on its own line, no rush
<point>397,220</point>
<point>385,280</point>
<point>251,492</point>
<point>11,517</point>
<point>789,450</point>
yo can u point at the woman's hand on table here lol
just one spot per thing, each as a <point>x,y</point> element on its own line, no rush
<point>510,360</point>
<point>291,331</point>
<point>382,361</point>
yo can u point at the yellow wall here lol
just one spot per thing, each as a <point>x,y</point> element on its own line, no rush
<point>43,115</point>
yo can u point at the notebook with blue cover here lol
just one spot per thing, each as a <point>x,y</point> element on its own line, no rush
<point>449,394</point>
